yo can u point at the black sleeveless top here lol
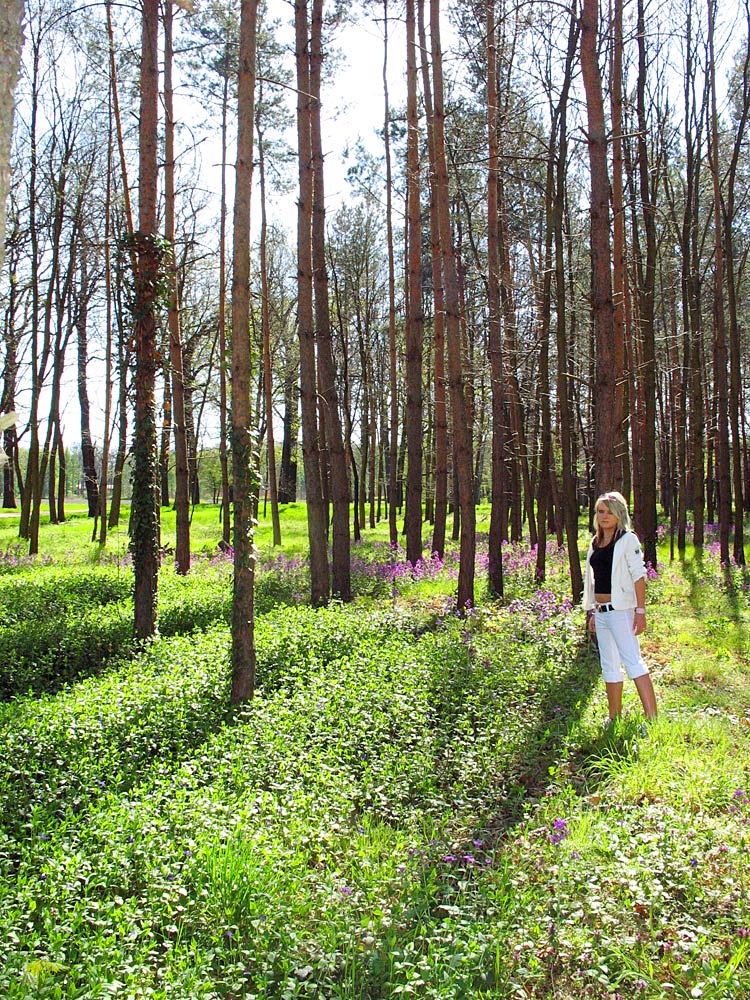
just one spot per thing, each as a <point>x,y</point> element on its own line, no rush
<point>601,564</point>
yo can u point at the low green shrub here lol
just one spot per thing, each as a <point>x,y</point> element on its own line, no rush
<point>41,592</point>
<point>314,845</point>
<point>59,631</point>
<point>56,630</point>
<point>64,751</point>
<point>195,602</point>
<point>43,654</point>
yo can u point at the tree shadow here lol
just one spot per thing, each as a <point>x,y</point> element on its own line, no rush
<point>560,699</point>
<point>531,771</point>
<point>524,775</point>
<point>736,587</point>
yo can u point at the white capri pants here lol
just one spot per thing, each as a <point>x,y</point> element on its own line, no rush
<point>618,645</point>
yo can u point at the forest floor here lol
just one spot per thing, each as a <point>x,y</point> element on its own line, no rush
<point>415,803</point>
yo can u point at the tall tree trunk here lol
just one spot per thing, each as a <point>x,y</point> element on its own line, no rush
<point>266,327</point>
<point>114,91</point>
<point>460,411</point>
<point>87,445</point>
<point>192,422</point>
<point>720,338</point>
<point>678,509</point>
<point>39,348</point>
<point>10,373</point>
<point>123,366</point>
<point>605,402</point>
<point>181,491</point>
<point>366,418</point>
<point>392,355</point>
<point>316,506</point>
<point>499,512</point>
<point>165,450</point>
<point>401,466</point>
<point>678,347</point>
<point>288,477</point>
<point>123,348</point>
<point>344,351</point>
<point>62,480</point>
<point>103,491</point>
<point>522,480</point>
<point>223,402</point>
<point>145,500</point>
<point>735,369</point>
<point>65,322</point>
<point>691,283</point>
<point>564,359</point>
<point>415,312</point>
<point>553,203</point>
<point>373,449</point>
<point>543,382</point>
<point>439,382</point>
<point>646,484</point>
<point>341,564</point>
<point>243,465</point>
<point>619,262</point>
<point>53,449</point>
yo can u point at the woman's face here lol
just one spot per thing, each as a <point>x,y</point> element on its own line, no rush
<point>605,518</point>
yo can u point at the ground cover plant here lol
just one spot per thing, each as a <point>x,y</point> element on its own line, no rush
<point>61,626</point>
<point>415,803</point>
<point>64,751</point>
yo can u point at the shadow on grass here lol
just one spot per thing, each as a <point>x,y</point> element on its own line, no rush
<point>735,587</point>
<point>531,770</point>
<point>542,708</point>
<point>524,774</point>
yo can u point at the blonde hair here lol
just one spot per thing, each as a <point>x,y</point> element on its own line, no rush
<point>617,505</point>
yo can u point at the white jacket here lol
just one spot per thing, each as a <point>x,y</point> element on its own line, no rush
<point>627,567</point>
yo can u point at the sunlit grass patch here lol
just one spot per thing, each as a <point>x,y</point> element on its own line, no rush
<point>416,803</point>
<point>352,799</point>
<point>634,893</point>
<point>679,761</point>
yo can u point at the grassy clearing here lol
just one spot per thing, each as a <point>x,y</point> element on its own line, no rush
<point>415,804</point>
<point>71,541</point>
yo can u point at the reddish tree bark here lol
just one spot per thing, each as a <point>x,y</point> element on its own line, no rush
<point>182,494</point>
<point>415,312</point>
<point>243,461</point>
<point>392,355</point>
<point>460,410</point>
<point>499,513</point>
<point>266,335</point>
<point>440,470</point>
<point>605,390</point>
<point>316,506</point>
<point>341,546</point>
<point>720,336</point>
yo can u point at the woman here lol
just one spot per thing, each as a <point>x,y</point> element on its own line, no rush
<point>614,594</point>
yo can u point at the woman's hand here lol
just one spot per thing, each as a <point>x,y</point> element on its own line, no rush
<point>639,622</point>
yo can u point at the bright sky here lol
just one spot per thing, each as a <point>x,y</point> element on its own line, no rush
<point>353,100</point>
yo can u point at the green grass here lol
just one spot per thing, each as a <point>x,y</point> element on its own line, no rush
<point>414,804</point>
<point>71,540</point>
